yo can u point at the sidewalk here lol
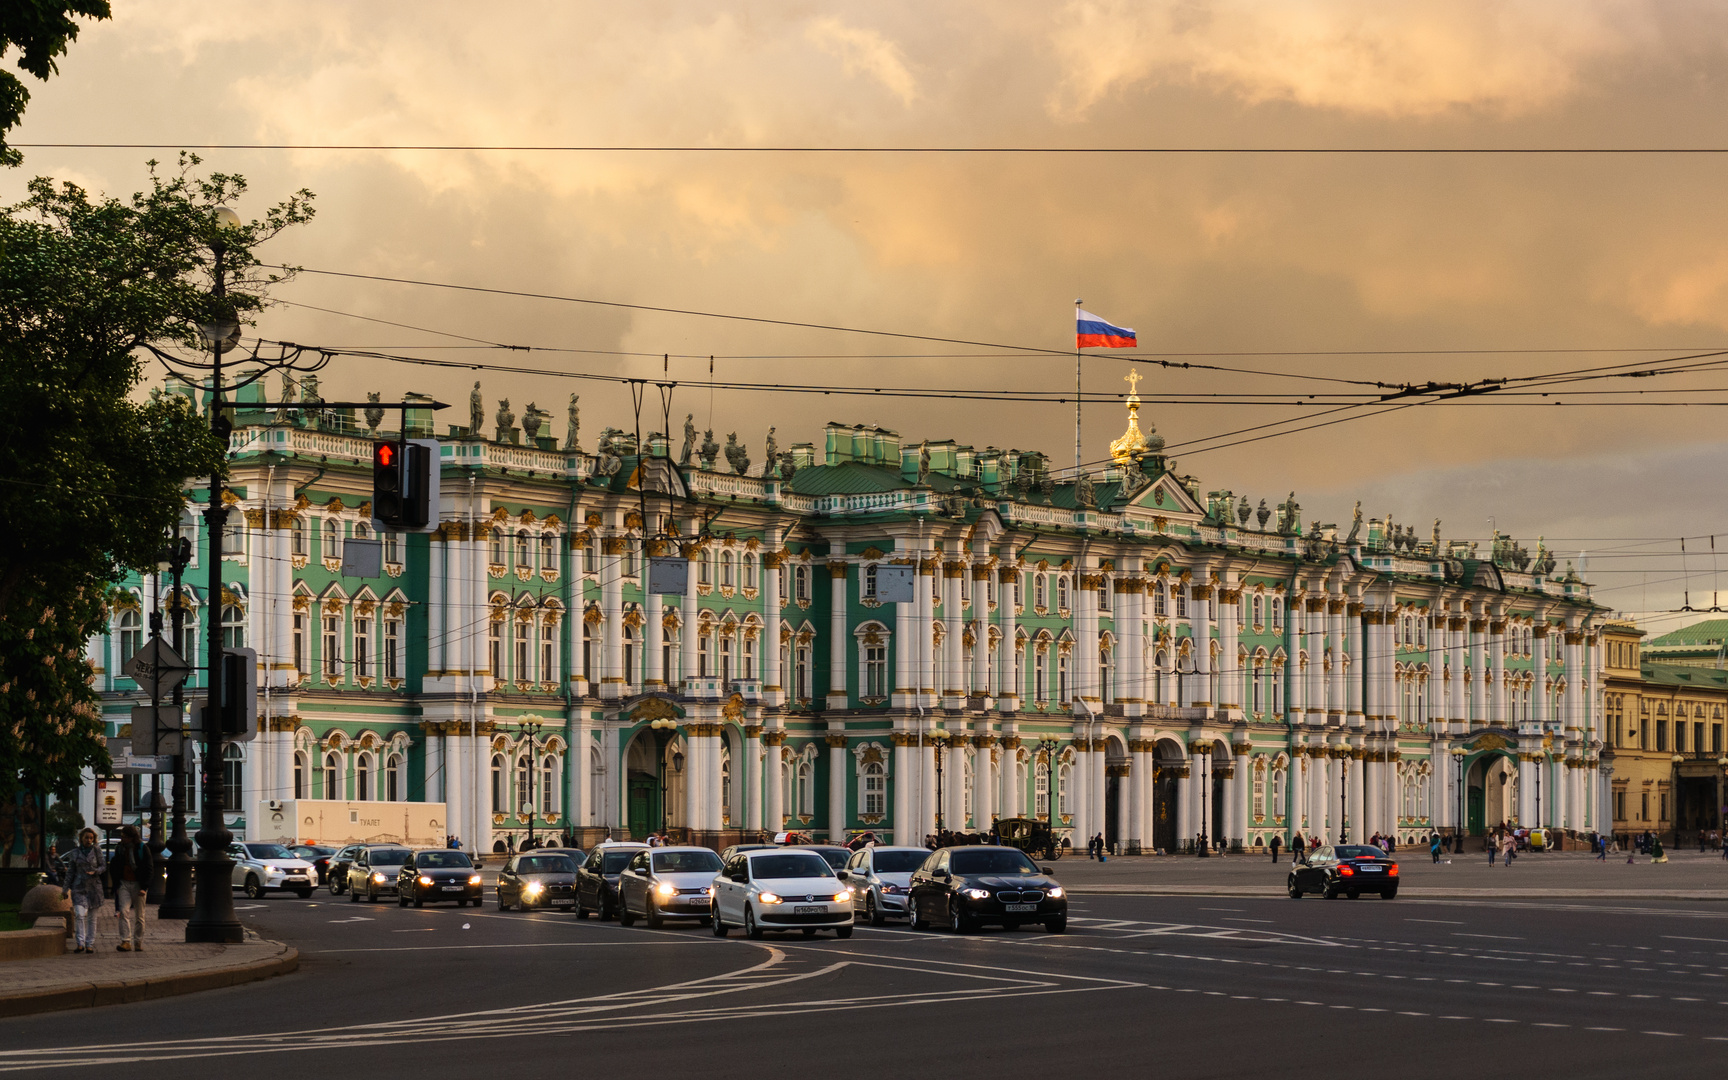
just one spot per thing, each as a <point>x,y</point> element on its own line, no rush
<point>167,966</point>
<point>1551,875</point>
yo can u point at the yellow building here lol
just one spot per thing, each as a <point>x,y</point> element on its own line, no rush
<point>1663,723</point>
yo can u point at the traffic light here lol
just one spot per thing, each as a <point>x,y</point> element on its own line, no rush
<point>239,720</point>
<point>404,484</point>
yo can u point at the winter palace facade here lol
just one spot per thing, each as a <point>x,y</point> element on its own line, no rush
<point>1162,662</point>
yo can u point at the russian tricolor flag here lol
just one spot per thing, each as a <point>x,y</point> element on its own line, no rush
<point>1091,332</point>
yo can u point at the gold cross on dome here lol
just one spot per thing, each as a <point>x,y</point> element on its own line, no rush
<point>1133,380</point>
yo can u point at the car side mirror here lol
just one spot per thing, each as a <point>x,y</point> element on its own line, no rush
<point>739,878</point>
<point>843,875</point>
<point>1045,870</point>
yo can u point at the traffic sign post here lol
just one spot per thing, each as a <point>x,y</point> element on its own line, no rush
<point>157,668</point>
<point>156,730</point>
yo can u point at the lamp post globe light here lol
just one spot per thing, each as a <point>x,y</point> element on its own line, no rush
<point>1204,848</point>
<point>213,918</point>
<point>664,728</point>
<point>531,724</point>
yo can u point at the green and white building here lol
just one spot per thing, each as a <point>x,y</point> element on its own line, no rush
<point>1193,667</point>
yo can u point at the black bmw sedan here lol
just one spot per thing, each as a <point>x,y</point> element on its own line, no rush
<point>967,887</point>
<point>1345,869</point>
<point>436,875</point>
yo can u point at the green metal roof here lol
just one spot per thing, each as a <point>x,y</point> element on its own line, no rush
<point>1710,632</point>
<point>1681,675</point>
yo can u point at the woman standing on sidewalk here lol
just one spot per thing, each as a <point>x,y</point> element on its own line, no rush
<point>85,869</point>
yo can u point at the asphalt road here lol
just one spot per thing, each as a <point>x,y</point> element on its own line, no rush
<point>1186,986</point>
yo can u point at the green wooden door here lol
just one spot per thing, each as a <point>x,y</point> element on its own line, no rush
<point>1474,810</point>
<point>644,814</point>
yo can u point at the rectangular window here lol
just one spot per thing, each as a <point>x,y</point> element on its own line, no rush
<point>875,672</point>
<point>362,647</point>
<point>519,633</point>
<point>1182,601</point>
<point>392,642</point>
<point>875,791</point>
<point>548,652</point>
<point>333,645</point>
<point>300,643</point>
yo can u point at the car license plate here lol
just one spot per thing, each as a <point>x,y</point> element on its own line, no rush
<point>697,901</point>
<point>1020,907</point>
<point>1370,869</point>
<point>809,909</point>
<point>452,888</point>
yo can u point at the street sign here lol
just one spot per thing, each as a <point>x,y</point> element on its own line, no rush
<point>157,669</point>
<point>108,802</point>
<point>363,558</point>
<point>156,730</point>
<point>131,765</point>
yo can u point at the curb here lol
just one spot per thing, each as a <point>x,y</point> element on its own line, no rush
<point>122,991</point>
<point>1273,892</point>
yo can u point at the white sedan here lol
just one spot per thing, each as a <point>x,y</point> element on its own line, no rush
<point>783,889</point>
<point>259,868</point>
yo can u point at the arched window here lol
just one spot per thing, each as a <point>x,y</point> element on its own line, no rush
<point>524,792</point>
<point>1259,610</point>
<point>1280,774</point>
<point>1108,688</point>
<point>332,538</point>
<point>333,776</point>
<point>705,568</point>
<point>363,777</point>
<point>548,785</point>
<point>726,673</point>
<point>1181,601</point>
<point>1160,600</point>
<point>632,651</point>
<point>1160,664</point>
<point>596,773</point>
<point>521,633</point>
<point>1040,591</point>
<point>298,540</point>
<point>548,651</point>
<point>1062,786</point>
<point>875,788</point>
<point>1041,674</point>
<point>522,559</point>
<point>806,790</point>
<point>1041,792</point>
<point>548,552</point>
<point>1258,705</point>
<point>725,781</point>
<point>1104,596</point>
<point>131,635</point>
<point>302,774</point>
<point>495,546</point>
<point>393,778</point>
<point>726,570</point>
<point>966,784</point>
<point>500,797</point>
<point>750,570</point>
<point>495,648</point>
<point>1277,613</point>
<point>1062,592</point>
<point>233,627</point>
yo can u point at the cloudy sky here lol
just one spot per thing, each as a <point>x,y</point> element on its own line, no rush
<point>1398,268</point>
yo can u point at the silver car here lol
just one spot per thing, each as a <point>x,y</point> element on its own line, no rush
<point>879,877</point>
<point>667,883</point>
<point>373,872</point>
<point>259,868</point>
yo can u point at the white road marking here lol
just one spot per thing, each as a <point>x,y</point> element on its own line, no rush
<point>1495,937</point>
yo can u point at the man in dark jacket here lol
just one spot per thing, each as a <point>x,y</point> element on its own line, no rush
<point>1299,850</point>
<point>1276,841</point>
<point>133,867</point>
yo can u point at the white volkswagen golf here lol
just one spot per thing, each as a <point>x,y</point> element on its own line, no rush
<point>780,889</point>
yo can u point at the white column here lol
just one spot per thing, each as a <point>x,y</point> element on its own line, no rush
<point>653,638</point>
<point>954,783</point>
<point>1100,789</point>
<point>1315,620</point>
<point>576,764</point>
<point>687,637</point>
<point>1358,801</point>
<point>1337,694</point>
<point>773,790</point>
<point>1297,785</point>
<point>753,779</point>
<point>1007,691</point>
<point>904,828</point>
<point>1244,792</point>
<point>951,673</point>
<point>1080,786</point>
<point>1229,668</point>
<point>612,682</point>
<point>984,809</point>
<point>1201,619</point>
<point>839,772</point>
<point>926,642</point>
<point>1185,785</point>
<point>839,639</point>
<point>927,784</point>
<point>773,679</point>
<point>1356,680</point>
<point>1133,821</point>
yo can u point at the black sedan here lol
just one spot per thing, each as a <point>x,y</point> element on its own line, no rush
<point>537,879</point>
<point>966,887</point>
<point>318,855</point>
<point>437,875</point>
<point>597,878</point>
<point>1345,869</point>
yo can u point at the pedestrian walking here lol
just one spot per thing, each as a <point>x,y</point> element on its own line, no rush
<point>85,869</point>
<point>1657,854</point>
<point>132,868</point>
<point>1601,843</point>
<point>1508,848</point>
<point>1276,841</point>
<point>1299,850</point>
<point>1434,847</point>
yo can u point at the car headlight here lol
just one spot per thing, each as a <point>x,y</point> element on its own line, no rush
<point>474,879</point>
<point>379,878</point>
<point>842,896</point>
<point>666,888</point>
<point>709,891</point>
<point>533,888</point>
<point>1054,892</point>
<point>893,890</point>
<point>273,871</point>
<point>975,894</point>
<point>768,898</point>
<point>424,880</point>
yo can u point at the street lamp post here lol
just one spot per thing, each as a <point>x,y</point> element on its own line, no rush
<point>1049,746</point>
<point>1344,799</point>
<point>1675,787</point>
<point>1458,754</point>
<point>213,918</point>
<point>940,738</point>
<point>532,725</point>
<point>663,729</point>
<point>177,888</point>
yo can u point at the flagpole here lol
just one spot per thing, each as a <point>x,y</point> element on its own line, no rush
<point>1077,389</point>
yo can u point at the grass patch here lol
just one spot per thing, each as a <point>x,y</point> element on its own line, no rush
<point>9,919</point>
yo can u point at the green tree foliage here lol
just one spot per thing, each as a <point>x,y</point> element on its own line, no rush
<point>38,31</point>
<point>92,473</point>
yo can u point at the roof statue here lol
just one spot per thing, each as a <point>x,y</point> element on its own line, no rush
<point>573,426</point>
<point>506,420</point>
<point>374,415</point>
<point>771,456</point>
<point>476,413</point>
<point>689,438</point>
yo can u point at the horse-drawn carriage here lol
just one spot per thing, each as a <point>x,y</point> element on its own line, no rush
<point>1031,835</point>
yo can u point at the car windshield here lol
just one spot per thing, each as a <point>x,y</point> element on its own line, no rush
<point>998,861</point>
<point>804,864</point>
<point>898,862</point>
<point>1358,851</point>
<point>389,856</point>
<point>613,862</point>
<point>269,851</point>
<point>834,857</point>
<point>442,860</point>
<point>546,864</point>
<point>686,862</point>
